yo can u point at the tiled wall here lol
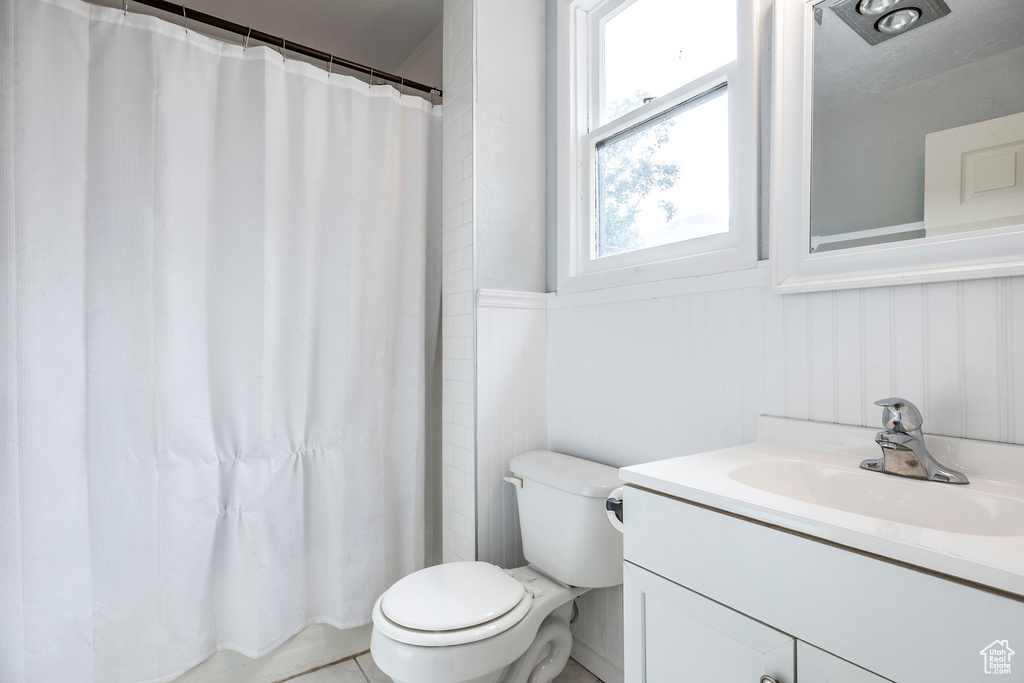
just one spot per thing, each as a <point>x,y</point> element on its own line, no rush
<point>511,411</point>
<point>652,378</point>
<point>458,285</point>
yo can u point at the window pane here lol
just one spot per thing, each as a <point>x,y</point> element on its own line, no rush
<point>666,180</point>
<point>654,46</point>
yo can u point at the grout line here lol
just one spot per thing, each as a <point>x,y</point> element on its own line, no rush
<point>961,376</point>
<point>324,666</point>
<point>1011,370</point>
<point>926,348</point>
<point>893,365</point>
<point>1003,372</point>
<point>861,325</point>
<point>366,676</point>
<point>809,343</point>
<point>835,357</point>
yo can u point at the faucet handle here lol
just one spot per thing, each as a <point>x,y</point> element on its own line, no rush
<point>900,415</point>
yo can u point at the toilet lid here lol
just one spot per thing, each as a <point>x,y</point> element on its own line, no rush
<point>451,596</point>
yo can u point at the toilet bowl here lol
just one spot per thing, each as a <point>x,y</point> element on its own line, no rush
<point>473,622</point>
<point>533,633</point>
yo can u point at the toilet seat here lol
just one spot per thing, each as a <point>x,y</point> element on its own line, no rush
<point>451,604</point>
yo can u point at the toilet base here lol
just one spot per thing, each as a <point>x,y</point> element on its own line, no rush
<point>543,660</point>
<point>546,656</point>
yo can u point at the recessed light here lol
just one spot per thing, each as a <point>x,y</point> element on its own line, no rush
<point>873,7</point>
<point>897,21</point>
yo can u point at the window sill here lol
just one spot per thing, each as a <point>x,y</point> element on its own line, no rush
<point>756,275</point>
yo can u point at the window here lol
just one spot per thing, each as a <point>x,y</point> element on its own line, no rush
<point>657,158</point>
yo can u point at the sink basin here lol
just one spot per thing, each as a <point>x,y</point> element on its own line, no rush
<point>805,477</point>
<point>921,504</point>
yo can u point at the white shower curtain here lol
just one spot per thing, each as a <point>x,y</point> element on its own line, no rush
<point>212,267</point>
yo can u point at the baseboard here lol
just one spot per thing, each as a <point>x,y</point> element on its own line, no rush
<point>596,664</point>
<point>312,647</point>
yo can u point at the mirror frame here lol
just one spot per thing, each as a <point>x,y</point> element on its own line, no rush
<point>961,256</point>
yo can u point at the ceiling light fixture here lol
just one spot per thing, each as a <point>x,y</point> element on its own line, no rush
<point>875,7</point>
<point>900,20</point>
<point>879,20</point>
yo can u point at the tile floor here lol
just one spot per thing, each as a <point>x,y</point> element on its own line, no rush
<point>362,669</point>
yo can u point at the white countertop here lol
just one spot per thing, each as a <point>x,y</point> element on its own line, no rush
<point>806,477</point>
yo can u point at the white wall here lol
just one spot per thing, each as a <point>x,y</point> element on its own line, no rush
<point>457,286</point>
<point>510,145</point>
<point>659,374</point>
<point>494,237</point>
<point>425,63</point>
<point>652,378</point>
<point>511,411</point>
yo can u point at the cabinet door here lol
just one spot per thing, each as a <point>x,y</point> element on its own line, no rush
<point>674,635</point>
<point>817,666</point>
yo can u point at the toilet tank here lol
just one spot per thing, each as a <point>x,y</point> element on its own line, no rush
<point>566,532</point>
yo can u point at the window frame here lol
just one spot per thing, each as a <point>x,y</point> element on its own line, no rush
<point>578,91</point>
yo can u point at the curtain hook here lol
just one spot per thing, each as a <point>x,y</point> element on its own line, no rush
<point>330,66</point>
<point>245,45</point>
<point>126,8</point>
<point>400,86</point>
<point>185,15</point>
<point>433,91</point>
<point>370,82</point>
<point>284,46</point>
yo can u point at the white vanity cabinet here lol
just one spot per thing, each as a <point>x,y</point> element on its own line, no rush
<point>678,635</point>
<point>817,666</point>
<point>714,596</point>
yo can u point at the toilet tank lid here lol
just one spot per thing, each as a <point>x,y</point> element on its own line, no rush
<point>573,475</point>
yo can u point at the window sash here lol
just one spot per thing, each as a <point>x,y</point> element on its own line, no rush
<point>692,92</point>
<point>576,101</point>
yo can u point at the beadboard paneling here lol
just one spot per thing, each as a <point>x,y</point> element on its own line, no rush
<point>625,376</point>
<point>642,380</point>
<point>597,642</point>
<point>511,412</point>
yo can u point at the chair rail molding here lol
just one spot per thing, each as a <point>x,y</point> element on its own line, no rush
<point>506,298</point>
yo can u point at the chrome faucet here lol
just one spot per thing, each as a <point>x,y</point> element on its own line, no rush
<point>903,450</point>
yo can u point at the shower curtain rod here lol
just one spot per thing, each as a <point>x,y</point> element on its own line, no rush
<point>252,34</point>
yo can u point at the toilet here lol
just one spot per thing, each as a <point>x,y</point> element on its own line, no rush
<point>473,622</point>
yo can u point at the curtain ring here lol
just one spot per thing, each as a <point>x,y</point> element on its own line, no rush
<point>330,66</point>
<point>185,15</point>
<point>245,45</point>
<point>370,81</point>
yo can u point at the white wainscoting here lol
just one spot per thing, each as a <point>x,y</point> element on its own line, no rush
<point>677,373</point>
<point>597,636</point>
<point>511,411</point>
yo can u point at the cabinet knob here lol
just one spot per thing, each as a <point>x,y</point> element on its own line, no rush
<point>768,679</point>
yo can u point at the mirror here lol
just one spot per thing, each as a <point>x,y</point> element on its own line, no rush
<point>896,123</point>
<point>897,142</point>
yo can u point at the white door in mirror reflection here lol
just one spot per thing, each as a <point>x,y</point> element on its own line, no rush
<point>974,176</point>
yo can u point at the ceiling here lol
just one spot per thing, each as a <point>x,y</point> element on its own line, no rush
<point>846,67</point>
<point>378,33</point>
